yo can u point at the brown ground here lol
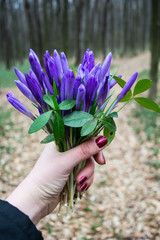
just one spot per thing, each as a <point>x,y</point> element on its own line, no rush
<point>123,202</point>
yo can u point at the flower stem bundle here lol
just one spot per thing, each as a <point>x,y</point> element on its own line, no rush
<point>74,107</point>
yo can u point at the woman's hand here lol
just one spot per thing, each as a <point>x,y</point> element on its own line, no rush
<point>39,193</point>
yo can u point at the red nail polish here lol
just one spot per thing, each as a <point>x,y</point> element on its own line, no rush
<point>101,141</point>
<point>82,180</point>
<point>83,187</point>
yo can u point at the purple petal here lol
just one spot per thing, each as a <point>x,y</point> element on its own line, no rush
<point>46,57</point>
<point>26,92</point>
<point>127,86</point>
<point>80,96</point>
<point>35,89</point>
<point>65,65</point>
<point>88,60</point>
<point>18,105</point>
<point>20,76</point>
<point>62,91</point>
<point>53,72</point>
<point>105,66</point>
<point>125,89</point>
<point>58,63</point>
<point>77,83</point>
<point>103,92</point>
<point>91,89</point>
<point>46,81</point>
<point>35,65</point>
<point>69,84</point>
<point>113,81</point>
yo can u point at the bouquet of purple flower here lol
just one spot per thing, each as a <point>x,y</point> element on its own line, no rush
<point>75,107</point>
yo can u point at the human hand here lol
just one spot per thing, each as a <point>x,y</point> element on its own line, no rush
<point>39,193</point>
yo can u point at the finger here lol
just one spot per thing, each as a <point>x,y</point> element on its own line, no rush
<point>84,151</point>
<point>86,172</point>
<point>83,187</point>
<point>99,158</point>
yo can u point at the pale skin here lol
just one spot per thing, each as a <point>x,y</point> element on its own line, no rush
<point>38,194</point>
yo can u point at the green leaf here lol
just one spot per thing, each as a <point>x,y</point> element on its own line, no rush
<point>141,86</point>
<point>77,118</point>
<point>113,114</point>
<point>40,122</point>
<point>67,104</point>
<point>55,88</point>
<point>88,127</point>
<point>55,103</point>
<point>121,82</point>
<point>109,135</point>
<point>109,123</point>
<point>58,127</point>
<point>48,139</point>
<point>49,100</point>
<point>147,103</point>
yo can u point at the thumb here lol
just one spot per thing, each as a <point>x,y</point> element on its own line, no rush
<point>84,151</point>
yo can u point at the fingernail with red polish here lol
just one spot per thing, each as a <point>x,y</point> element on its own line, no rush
<point>82,180</point>
<point>101,141</point>
<point>83,187</point>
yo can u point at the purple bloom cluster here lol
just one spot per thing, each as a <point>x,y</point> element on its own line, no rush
<point>92,83</point>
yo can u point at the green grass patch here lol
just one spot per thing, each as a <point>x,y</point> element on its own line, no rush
<point>6,123</point>
<point>7,77</point>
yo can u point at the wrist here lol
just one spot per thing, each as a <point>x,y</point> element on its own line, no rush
<point>25,198</point>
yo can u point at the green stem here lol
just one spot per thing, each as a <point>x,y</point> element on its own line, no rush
<point>124,105</point>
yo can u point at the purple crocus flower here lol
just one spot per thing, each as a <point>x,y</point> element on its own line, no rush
<point>35,89</point>
<point>64,61</point>
<point>18,105</point>
<point>88,60</point>
<point>80,96</point>
<point>58,63</point>
<point>125,89</point>
<point>26,92</point>
<point>69,84</point>
<point>77,83</point>
<point>20,76</point>
<point>103,92</point>
<point>62,91</point>
<point>53,73</point>
<point>46,57</point>
<point>35,64</point>
<point>95,69</point>
<point>46,81</point>
<point>105,66</point>
<point>91,89</point>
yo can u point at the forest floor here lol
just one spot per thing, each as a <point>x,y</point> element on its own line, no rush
<point>124,200</point>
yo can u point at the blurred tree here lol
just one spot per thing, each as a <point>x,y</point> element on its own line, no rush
<point>29,19</point>
<point>39,32</point>
<point>104,27</point>
<point>79,10</point>
<point>155,44</point>
<point>6,38</point>
<point>65,26</point>
<point>45,26</point>
<point>125,26</point>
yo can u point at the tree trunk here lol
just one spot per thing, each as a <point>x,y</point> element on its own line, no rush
<point>104,28</point>
<point>154,48</point>
<point>125,26</point>
<point>79,11</point>
<point>65,26</point>
<point>39,33</point>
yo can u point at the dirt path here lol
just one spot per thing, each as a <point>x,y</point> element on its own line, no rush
<point>124,200</point>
